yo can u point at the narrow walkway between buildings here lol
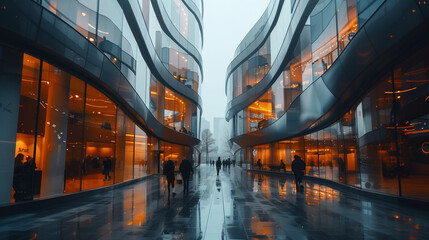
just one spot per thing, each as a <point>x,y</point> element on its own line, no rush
<point>234,205</point>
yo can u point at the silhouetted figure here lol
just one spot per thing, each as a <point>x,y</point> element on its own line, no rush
<point>169,172</point>
<point>282,165</point>
<point>218,165</point>
<point>107,165</point>
<point>20,179</point>
<point>298,168</point>
<point>186,170</point>
<point>30,167</point>
<point>259,164</point>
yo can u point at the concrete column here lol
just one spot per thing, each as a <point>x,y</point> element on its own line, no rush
<point>10,91</point>
<point>55,138</point>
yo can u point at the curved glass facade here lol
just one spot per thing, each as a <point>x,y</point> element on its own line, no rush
<point>175,59</point>
<point>336,28</point>
<point>185,21</point>
<point>81,124</point>
<point>376,144</point>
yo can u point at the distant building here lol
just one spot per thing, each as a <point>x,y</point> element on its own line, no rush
<point>205,124</point>
<point>220,133</point>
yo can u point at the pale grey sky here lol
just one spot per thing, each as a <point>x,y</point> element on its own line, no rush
<point>226,22</point>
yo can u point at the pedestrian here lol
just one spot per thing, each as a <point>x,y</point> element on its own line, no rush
<point>259,164</point>
<point>282,165</point>
<point>186,170</point>
<point>298,168</point>
<point>218,165</point>
<point>19,179</point>
<point>107,164</point>
<point>168,171</point>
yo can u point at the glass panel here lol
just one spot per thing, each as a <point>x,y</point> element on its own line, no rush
<point>141,154</point>
<point>74,155</point>
<point>124,148</point>
<point>80,14</point>
<point>24,183</point>
<point>100,122</point>
<point>412,111</point>
<point>261,157</point>
<point>52,130</point>
<point>347,22</point>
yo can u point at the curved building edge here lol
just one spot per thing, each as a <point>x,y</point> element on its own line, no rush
<point>352,105</point>
<point>39,43</point>
<point>174,33</point>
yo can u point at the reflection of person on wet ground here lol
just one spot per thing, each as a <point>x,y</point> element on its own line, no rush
<point>298,168</point>
<point>168,171</point>
<point>282,182</point>
<point>218,165</point>
<point>186,170</point>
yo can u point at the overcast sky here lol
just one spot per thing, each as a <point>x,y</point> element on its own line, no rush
<point>226,22</point>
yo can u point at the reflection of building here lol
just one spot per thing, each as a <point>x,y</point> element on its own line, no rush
<point>83,85</point>
<point>344,85</point>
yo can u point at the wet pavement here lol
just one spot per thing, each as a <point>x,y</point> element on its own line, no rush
<point>235,205</point>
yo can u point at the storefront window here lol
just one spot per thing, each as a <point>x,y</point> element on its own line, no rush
<point>75,128</point>
<point>262,152</point>
<point>26,183</point>
<point>141,153</point>
<point>100,139</point>
<point>52,129</point>
<point>124,148</point>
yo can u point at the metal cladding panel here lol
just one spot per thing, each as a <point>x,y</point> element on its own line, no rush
<point>94,60</point>
<point>127,92</point>
<point>357,57</point>
<point>110,75</point>
<point>337,78</point>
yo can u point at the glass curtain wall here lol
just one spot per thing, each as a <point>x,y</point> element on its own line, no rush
<point>380,144</point>
<point>315,52</point>
<point>172,109</point>
<point>70,136</point>
<point>184,21</point>
<point>175,59</point>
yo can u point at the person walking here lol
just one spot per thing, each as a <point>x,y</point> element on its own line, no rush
<point>168,171</point>
<point>107,164</point>
<point>186,170</point>
<point>298,168</point>
<point>282,165</point>
<point>259,164</point>
<point>218,165</point>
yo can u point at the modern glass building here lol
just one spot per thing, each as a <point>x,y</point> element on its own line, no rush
<point>90,87</point>
<point>344,84</point>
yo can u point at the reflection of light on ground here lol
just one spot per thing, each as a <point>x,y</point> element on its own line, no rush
<point>261,228</point>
